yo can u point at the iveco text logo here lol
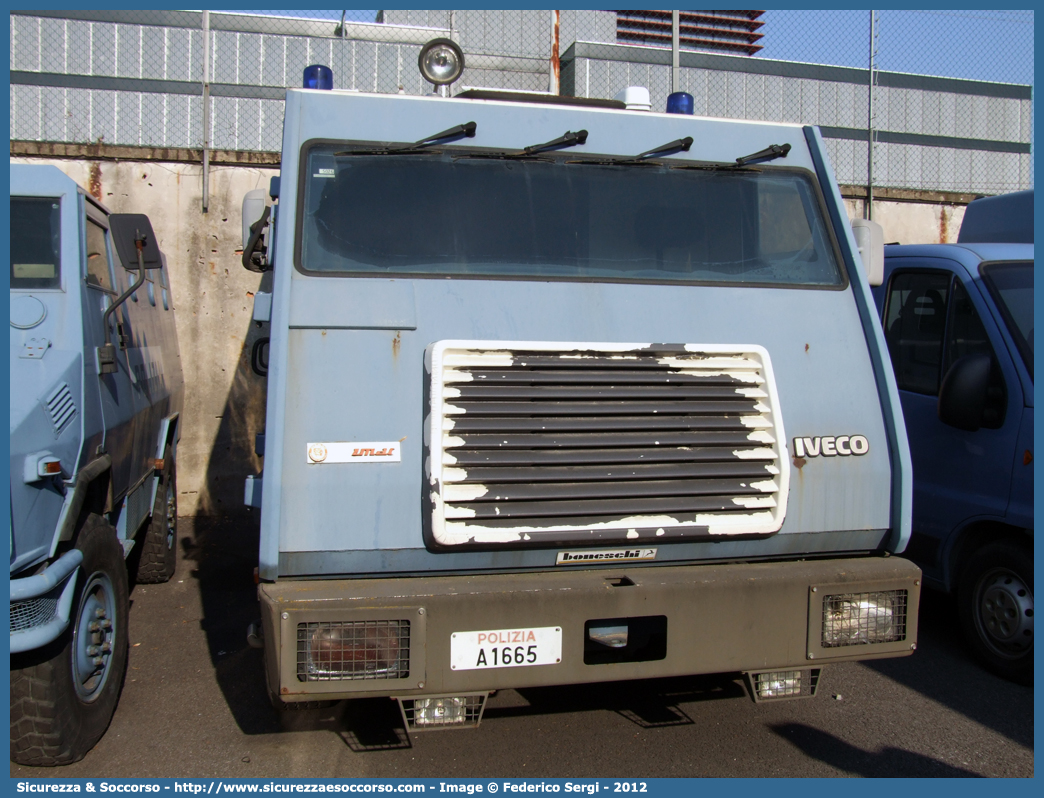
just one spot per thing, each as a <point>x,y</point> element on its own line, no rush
<point>830,445</point>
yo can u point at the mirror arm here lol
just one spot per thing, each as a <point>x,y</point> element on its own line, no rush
<point>257,229</point>
<point>139,245</point>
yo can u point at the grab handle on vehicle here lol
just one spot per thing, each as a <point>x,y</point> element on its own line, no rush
<point>259,357</point>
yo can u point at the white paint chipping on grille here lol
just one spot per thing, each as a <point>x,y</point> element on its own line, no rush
<point>62,408</point>
<point>759,508</point>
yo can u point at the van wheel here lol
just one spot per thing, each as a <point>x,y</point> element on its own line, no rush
<point>159,547</point>
<point>995,596</point>
<point>63,695</point>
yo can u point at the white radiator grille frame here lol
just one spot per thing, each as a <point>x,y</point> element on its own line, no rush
<point>749,365</point>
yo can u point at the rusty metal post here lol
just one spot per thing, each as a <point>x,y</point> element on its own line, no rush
<point>555,78</point>
<point>206,111</point>
<point>868,210</point>
<point>675,51</point>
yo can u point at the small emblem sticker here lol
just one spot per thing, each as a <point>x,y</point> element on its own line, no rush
<point>613,555</point>
<point>355,452</point>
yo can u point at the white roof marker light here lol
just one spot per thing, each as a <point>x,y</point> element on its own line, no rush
<point>636,98</point>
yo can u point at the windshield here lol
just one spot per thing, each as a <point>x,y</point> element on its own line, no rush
<point>1011,285</point>
<point>442,213</point>
<point>35,243</point>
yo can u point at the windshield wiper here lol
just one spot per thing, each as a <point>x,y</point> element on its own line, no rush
<point>467,130</point>
<point>566,140</point>
<point>770,153</point>
<point>679,145</point>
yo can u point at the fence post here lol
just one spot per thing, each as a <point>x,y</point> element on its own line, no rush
<point>206,111</point>
<point>555,76</point>
<point>675,51</point>
<point>868,210</point>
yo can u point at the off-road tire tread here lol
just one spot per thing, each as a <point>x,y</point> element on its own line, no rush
<point>157,562</point>
<point>46,729</point>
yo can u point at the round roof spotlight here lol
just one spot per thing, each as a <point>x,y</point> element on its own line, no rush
<point>441,61</point>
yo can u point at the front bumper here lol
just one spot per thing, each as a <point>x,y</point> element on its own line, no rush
<point>719,618</point>
<point>40,604</point>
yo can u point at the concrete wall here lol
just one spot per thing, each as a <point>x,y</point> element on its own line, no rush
<point>213,301</point>
<point>913,222</point>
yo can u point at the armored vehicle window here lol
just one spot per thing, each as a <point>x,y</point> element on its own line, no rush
<point>98,274</point>
<point>460,214</point>
<point>36,243</point>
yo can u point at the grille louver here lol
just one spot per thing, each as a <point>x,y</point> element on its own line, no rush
<point>62,408</point>
<point>536,443</point>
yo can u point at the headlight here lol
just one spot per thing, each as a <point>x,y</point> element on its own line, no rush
<point>851,619</point>
<point>441,61</point>
<point>440,712</point>
<point>353,650</point>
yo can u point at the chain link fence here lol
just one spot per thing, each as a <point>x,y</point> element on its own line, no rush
<point>946,96</point>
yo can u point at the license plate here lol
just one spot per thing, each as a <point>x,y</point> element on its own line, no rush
<point>505,648</point>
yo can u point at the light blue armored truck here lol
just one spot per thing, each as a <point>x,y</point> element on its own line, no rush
<point>96,397</point>
<point>562,391</point>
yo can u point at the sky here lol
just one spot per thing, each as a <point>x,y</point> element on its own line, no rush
<point>976,45</point>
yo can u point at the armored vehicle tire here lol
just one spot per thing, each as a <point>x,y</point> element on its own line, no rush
<point>995,595</point>
<point>159,546</point>
<point>63,695</point>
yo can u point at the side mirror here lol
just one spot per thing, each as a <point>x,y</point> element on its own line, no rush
<point>869,238</point>
<point>962,397</point>
<point>135,241</point>
<point>255,225</point>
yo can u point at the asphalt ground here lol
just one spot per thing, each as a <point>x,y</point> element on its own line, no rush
<point>194,705</point>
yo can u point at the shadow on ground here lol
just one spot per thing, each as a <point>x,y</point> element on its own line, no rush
<point>649,703</point>
<point>967,688</point>
<point>888,762</point>
<point>224,551</point>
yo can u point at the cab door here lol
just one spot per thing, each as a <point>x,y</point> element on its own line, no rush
<point>117,397</point>
<point>933,316</point>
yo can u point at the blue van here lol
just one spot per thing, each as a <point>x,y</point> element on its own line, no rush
<point>958,319</point>
<point>96,398</point>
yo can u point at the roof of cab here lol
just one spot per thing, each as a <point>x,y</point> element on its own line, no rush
<point>968,255</point>
<point>1007,218</point>
<point>47,180</point>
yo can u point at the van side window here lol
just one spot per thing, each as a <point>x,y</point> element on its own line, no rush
<point>915,325</point>
<point>967,336</point>
<point>98,272</point>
